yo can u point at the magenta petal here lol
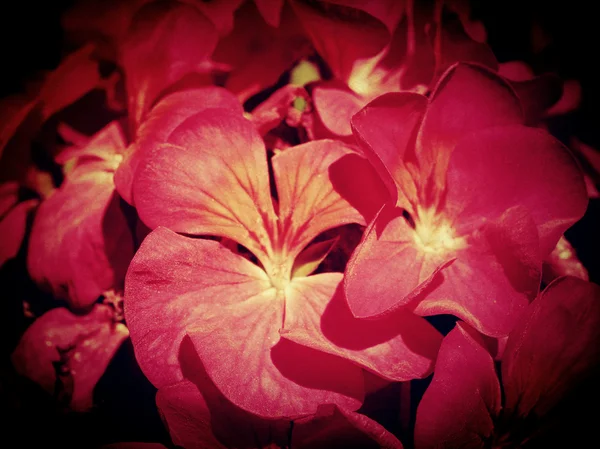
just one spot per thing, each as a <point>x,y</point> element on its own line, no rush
<point>386,128</point>
<point>463,400</point>
<point>308,201</point>
<point>492,280</point>
<point>398,347</point>
<point>563,261</point>
<point>553,347</point>
<point>81,244</point>
<point>162,120</point>
<point>211,177</point>
<point>388,268</point>
<point>511,166</point>
<point>466,99</point>
<point>335,107</point>
<point>270,10</point>
<point>167,282</point>
<point>334,427</point>
<point>88,343</point>
<point>13,225</point>
<point>165,42</point>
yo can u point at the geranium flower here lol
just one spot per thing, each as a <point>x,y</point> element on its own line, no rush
<point>13,220</point>
<point>478,201</point>
<point>553,348</point>
<point>422,41</point>
<point>209,176</point>
<point>66,354</point>
<point>81,244</point>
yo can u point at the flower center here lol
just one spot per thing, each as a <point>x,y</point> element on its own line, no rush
<point>279,272</point>
<point>435,234</point>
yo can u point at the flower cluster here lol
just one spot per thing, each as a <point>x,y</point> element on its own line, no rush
<point>315,224</point>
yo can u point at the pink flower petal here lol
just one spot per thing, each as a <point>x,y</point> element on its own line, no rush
<point>515,166</point>
<point>342,34</point>
<point>210,177</point>
<point>13,225</point>
<point>492,279</point>
<point>88,343</point>
<point>398,347</point>
<point>308,201</point>
<point>335,427</point>
<point>563,261</point>
<point>335,106</point>
<point>538,95</point>
<point>167,280</point>
<point>270,10</point>
<point>467,98</point>
<point>389,265</point>
<point>162,120</point>
<point>463,400</point>
<point>553,347</point>
<point>398,115</point>
<point>220,13</point>
<point>233,317</point>
<point>256,53</point>
<point>81,244</point>
<point>165,42</point>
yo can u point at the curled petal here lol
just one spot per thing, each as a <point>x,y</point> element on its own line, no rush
<point>399,346</point>
<point>553,347</point>
<point>463,400</point>
<point>67,354</point>
<point>388,268</point>
<point>386,129</point>
<point>210,177</point>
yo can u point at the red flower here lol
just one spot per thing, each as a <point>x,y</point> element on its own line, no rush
<point>67,354</point>
<point>81,244</point>
<point>478,200</point>
<point>209,176</point>
<point>553,347</point>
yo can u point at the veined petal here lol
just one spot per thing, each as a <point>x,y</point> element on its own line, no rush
<point>389,268</point>
<point>333,426</point>
<point>171,282</point>
<point>162,120</point>
<point>273,378</point>
<point>165,42</point>
<point>82,345</point>
<point>386,129</point>
<point>553,347</point>
<point>511,166</point>
<point>81,244</point>
<point>211,177</point>
<point>492,279</point>
<point>399,346</point>
<point>467,98</point>
<point>462,401</point>
<point>308,202</point>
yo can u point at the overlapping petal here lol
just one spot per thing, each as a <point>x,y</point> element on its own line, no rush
<point>209,177</point>
<point>233,316</point>
<point>459,407</point>
<point>399,347</point>
<point>81,347</point>
<point>165,42</point>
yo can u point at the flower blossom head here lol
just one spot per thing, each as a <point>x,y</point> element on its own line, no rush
<point>289,335</point>
<point>478,200</point>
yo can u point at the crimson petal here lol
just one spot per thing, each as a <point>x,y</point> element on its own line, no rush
<point>515,165</point>
<point>87,342</point>
<point>398,347</point>
<point>13,225</point>
<point>162,120</point>
<point>462,401</point>
<point>553,347</point>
